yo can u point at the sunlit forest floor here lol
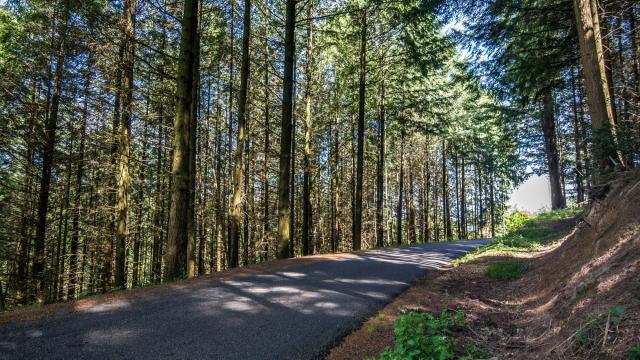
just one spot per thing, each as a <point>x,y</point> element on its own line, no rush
<point>560,284</point>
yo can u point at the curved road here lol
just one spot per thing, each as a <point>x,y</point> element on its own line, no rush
<point>296,313</point>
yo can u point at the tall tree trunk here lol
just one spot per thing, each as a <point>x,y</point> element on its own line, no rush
<point>334,191</point>
<point>193,151</point>
<point>307,211</point>
<point>427,191</point>
<point>357,213</point>
<point>492,200</point>
<point>284,176</point>
<point>266,238</point>
<point>463,200</point>
<point>600,105</point>
<point>20,288</point>
<point>292,186</point>
<point>381,164</point>
<point>481,195</point>
<point>228,183</point>
<point>159,211</point>
<point>436,202</point>
<point>446,208</point>
<point>457,183</point>
<point>135,274</point>
<point>55,280</point>
<point>577,141</point>
<point>203,219</point>
<point>248,195</point>
<point>176,252</point>
<point>551,150</point>
<point>75,232</point>
<point>236,204</point>
<point>219,236</point>
<point>411,208</point>
<point>635,49</point>
<point>51,124</point>
<point>606,53</point>
<point>400,190</point>
<point>108,241</point>
<point>124,140</point>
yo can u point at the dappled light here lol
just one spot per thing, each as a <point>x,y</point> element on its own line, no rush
<point>320,297</point>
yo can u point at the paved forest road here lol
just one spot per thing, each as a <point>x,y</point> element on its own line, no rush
<point>296,313</point>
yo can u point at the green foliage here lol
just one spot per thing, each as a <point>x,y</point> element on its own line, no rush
<point>615,314</point>
<point>583,337</point>
<point>506,270</point>
<point>12,33</point>
<point>473,352</point>
<point>424,336</point>
<point>634,352</point>
<point>527,234</point>
<point>516,220</point>
<point>592,332</point>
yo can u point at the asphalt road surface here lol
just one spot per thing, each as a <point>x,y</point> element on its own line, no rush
<point>296,313</point>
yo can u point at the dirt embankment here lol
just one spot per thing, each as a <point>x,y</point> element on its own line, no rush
<point>580,298</point>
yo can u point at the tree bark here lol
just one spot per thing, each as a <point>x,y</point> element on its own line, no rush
<point>236,204</point>
<point>75,232</point>
<point>284,176</point>
<point>446,208</point>
<point>400,191</point>
<point>381,165</point>
<point>266,238</point>
<point>357,213</point>
<point>307,211</point>
<point>551,150</point>
<point>193,150</point>
<point>463,199</point>
<point>177,242</point>
<point>51,124</point>
<point>577,141</point>
<point>124,140</point>
<point>411,208</point>
<point>600,106</point>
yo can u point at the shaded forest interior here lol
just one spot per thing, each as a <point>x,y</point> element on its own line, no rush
<point>144,141</point>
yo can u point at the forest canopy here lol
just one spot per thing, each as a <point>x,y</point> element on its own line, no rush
<point>144,141</point>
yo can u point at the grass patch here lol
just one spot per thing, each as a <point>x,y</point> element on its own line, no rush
<point>524,233</point>
<point>506,270</point>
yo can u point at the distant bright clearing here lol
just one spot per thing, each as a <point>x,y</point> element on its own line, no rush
<point>533,195</point>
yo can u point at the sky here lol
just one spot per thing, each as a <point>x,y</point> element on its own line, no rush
<point>533,195</point>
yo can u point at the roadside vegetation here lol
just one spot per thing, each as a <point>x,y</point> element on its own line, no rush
<point>427,336</point>
<point>506,270</point>
<point>524,232</point>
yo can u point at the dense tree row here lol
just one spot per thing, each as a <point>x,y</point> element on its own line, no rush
<point>570,67</point>
<point>143,141</point>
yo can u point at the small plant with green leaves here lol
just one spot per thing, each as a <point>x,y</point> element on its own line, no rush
<point>516,220</point>
<point>506,270</point>
<point>425,336</point>
<point>634,352</point>
<point>596,331</point>
<point>474,352</point>
<point>615,314</point>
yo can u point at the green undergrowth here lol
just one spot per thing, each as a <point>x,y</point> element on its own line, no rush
<point>425,336</point>
<point>634,352</point>
<point>506,270</point>
<point>525,232</point>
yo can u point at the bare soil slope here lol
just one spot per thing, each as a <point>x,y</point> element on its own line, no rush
<point>579,299</point>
